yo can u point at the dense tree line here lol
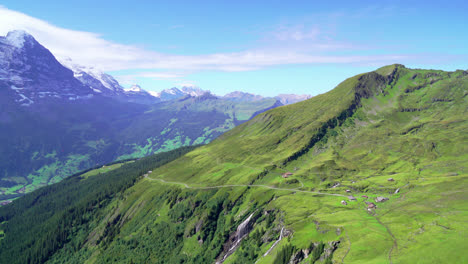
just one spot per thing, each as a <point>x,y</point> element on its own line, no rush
<point>38,224</point>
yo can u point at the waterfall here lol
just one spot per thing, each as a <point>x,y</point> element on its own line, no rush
<point>276,242</point>
<point>241,232</point>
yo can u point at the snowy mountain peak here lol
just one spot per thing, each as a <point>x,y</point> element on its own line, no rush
<point>193,90</point>
<point>155,94</point>
<point>173,90</point>
<point>92,77</point>
<point>175,93</point>
<point>135,88</point>
<point>18,38</point>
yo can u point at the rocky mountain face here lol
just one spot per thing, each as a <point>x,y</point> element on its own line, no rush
<point>97,80</point>
<point>29,73</point>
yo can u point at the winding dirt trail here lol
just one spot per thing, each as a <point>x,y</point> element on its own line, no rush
<point>395,244</point>
<point>243,185</point>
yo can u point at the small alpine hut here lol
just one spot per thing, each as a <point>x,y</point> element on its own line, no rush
<point>381,199</point>
<point>286,175</point>
<point>371,206</point>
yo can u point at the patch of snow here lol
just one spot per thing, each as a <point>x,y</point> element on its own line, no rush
<point>96,90</point>
<point>172,91</point>
<point>24,99</point>
<point>16,88</point>
<point>154,93</point>
<point>106,80</point>
<point>17,38</point>
<point>16,78</point>
<point>135,88</point>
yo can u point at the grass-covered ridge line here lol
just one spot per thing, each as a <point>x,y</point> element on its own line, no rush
<point>405,124</point>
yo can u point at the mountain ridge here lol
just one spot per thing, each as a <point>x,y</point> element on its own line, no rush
<point>373,171</point>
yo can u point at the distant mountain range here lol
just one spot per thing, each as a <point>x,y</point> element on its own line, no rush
<point>105,84</point>
<point>58,117</point>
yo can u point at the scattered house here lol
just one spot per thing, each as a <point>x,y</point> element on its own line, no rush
<point>344,202</point>
<point>352,198</point>
<point>365,196</point>
<point>286,175</point>
<point>150,172</point>
<point>348,191</point>
<point>390,179</point>
<point>336,185</point>
<point>381,199</point>
<point>371,206</point>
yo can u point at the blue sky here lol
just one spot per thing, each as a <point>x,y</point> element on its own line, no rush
<point>265,47</point>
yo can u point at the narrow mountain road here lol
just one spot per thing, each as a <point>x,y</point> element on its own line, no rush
<point>394,245</point>
<point>243,185</point>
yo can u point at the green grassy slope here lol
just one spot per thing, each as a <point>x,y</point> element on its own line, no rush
<point>406,124</point>
<point>409,125</point>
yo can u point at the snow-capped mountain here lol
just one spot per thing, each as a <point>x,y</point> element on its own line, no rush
<point>99,81</point>
<point>103,83</point>
<point>136,94</point>
<point>31,73</point>
<point>176,93</point>
<point>135,88</point>
<point>193,91</point>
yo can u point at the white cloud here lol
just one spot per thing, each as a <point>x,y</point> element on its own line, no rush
<point>92,49</point>
<point>296,32</point>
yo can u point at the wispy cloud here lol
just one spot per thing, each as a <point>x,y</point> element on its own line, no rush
<point>127,79</point>
<point>92,49</point>
<point>176,26</point>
